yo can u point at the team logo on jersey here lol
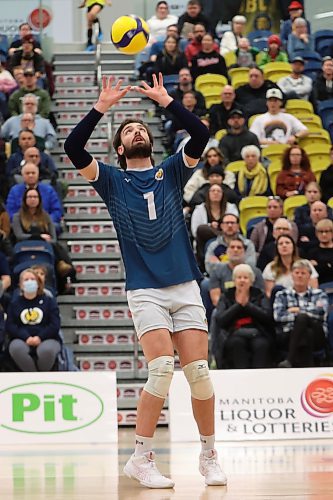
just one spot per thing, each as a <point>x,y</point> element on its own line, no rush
<point>159,174</point>
<point>32,316</point>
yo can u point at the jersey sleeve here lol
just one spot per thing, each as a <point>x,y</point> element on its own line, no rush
<point>103,181</point>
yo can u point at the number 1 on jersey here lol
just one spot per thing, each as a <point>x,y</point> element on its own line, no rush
<point>151,205</point>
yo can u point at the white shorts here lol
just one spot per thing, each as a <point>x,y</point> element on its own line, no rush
<point>176,308</point>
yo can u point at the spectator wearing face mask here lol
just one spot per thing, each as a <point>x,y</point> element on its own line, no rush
<point>33,324</point>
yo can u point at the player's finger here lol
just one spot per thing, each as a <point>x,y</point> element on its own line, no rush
<point>119,82</point>
<point>103,82</point>
<point>145,84</point>
<point>160,79</point>
<point>110,82</point>
<point>155,80</point>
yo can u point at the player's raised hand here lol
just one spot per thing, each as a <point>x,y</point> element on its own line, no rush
<point>110,93</point>
<point>157,93</point>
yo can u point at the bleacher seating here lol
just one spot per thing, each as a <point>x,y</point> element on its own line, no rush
<point>276,70</point>
<point>323,41</point>
<point>249,208</point>
<point>291,203</point>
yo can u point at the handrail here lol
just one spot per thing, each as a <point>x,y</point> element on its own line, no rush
<point>98,53</point>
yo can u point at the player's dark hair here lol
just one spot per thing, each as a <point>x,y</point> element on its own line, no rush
<point>117,140</point>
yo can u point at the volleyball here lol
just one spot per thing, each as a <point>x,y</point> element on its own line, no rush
<point>130,34</point>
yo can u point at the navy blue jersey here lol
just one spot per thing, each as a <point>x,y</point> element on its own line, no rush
<point>146,209</point>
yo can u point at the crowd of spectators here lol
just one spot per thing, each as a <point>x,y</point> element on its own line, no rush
<point>31,209</point>
<point>261,283</point>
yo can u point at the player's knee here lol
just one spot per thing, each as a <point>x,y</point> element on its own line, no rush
<point>197,374</point>
<point>160,372</point>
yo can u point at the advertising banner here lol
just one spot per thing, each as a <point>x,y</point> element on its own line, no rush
<point>259,404</point>
<point>59,407</point>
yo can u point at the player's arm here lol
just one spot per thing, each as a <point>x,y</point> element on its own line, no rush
<point>191,123</point>
<point>75,143</point>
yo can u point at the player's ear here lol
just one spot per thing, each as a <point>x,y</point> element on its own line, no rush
<point>120,150</point>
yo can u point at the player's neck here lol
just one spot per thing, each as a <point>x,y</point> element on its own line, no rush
<point>138,163</point>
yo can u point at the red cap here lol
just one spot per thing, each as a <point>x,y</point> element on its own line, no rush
<point>295,6</point>
<point>28,38</point>
<point>274,39</point>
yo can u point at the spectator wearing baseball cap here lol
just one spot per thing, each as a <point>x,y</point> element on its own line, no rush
<point>237,137</point>
<point>295,9</point>
<point>296,85</point>
<point>275,126</point>
<point>273,53</point>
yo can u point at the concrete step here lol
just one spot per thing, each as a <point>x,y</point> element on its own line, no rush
<point>95,249</point>
<point>91,236</point>
<point>125,366</point>
<point>90,270</point>
<point>95,227</point>
<point>110,291</point>
<point>85,208</point>
<point>79,54</point>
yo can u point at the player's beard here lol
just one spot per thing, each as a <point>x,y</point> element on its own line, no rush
<point>139,150</point>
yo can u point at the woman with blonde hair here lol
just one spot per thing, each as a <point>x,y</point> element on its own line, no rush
<point>252,178</point>
<point>33,324</point>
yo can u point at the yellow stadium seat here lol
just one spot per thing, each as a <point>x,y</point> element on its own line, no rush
<point>232,72</point>
<point>230,58</point>
<point>273,171</point>
<point>250,207</point>
<point>319,155</point>
<point>220,133</point>
<point>252,118</point>
<point>291,203</point>
<point>274,151</point>
<point>319,136</point>
<point>298,105</point>
<point>210,83</point>
<point>235,166</point>
<point>276,70</point>
<point>330,203</point>
<point>238,80</point>
<point>212,98</point>
<point>310,120</point>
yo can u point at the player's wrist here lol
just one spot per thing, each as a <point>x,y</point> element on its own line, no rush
<point>164,101</point>
<point>101,108</point>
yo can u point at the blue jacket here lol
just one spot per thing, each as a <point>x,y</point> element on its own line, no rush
<point>29,318</point>
<point>50,200</point>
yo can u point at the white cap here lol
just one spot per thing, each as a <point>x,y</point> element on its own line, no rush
<point>239,19</point>
<point>274,93</point>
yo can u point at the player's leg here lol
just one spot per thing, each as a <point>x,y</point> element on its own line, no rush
<point>158,350</point>
<point>92,18</point>
<point>192,348</point>
<point>153,326</point>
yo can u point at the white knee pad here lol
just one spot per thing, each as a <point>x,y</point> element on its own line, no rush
<point>160,376</point>
<point>197,374</point>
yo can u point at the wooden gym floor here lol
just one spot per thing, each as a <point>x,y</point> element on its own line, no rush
<point>295,470</point>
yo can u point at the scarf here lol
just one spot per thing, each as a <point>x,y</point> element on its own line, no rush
<point>258,176</point>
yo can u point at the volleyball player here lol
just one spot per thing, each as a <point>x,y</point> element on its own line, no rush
<point>145,203</point>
